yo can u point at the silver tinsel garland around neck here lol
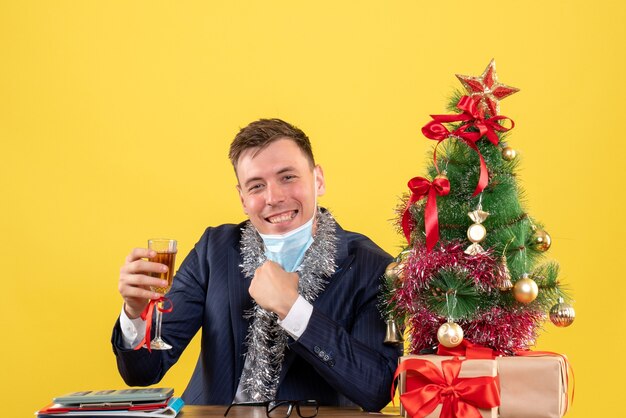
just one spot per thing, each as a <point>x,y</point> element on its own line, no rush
<point>266,340</point>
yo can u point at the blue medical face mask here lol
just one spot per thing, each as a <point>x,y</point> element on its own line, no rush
<point>288,249</point>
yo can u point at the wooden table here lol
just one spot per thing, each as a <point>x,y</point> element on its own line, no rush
<point>217,411</point>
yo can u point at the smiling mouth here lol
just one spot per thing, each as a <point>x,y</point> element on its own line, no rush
<point>282,217</point>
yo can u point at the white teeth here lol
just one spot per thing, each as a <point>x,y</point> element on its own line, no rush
<point>282,218</point>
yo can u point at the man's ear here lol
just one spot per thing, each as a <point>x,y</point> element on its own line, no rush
<point>243,205</point>
<point>320,183</point>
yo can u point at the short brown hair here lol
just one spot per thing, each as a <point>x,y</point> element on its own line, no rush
<point>263,132</point>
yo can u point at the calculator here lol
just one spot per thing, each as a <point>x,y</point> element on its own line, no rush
<point>115,395</point>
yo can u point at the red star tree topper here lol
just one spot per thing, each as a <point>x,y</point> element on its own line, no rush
<point>486,90</point>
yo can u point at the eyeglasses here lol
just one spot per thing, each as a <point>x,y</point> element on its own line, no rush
<point>283,409</point>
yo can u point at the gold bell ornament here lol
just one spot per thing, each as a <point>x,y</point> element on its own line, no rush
<point>393,336</point>
<point>562,314</point>
<point>504,276</point>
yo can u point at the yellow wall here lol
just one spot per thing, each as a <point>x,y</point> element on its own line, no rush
<point>115,119</point>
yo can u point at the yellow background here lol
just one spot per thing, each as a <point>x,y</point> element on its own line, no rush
<point>116,116</point>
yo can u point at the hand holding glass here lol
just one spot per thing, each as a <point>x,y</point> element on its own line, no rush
<point>166,254</point>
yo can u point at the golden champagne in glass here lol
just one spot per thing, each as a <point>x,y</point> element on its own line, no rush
<point>168,259</point>
<point>166,254</point>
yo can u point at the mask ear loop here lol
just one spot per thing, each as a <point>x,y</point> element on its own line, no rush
<point>316,208</point>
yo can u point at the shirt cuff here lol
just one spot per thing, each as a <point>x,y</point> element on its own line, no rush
<point>133,330</point>
<point>297,319</point>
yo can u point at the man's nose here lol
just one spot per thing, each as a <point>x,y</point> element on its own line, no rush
<point>275,194</point>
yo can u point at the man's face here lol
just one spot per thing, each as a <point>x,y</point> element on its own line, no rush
<point>277,186</point>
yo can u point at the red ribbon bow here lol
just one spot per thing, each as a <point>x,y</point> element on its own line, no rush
<point>460,397</point>
<point>473,117</point>
<point>468,350</point>
<point>146,315</point>
<point>421,187</point>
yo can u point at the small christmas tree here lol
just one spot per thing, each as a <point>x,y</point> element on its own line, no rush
<point>473,265</point>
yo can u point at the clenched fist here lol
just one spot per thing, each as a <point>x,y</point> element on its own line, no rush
<point>274,289</point>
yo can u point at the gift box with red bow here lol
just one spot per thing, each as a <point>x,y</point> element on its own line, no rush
<point>448,387</point>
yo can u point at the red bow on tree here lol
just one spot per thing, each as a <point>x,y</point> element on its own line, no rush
<point>427,387</point>
<point>421,187</point>
<point>472,117</point>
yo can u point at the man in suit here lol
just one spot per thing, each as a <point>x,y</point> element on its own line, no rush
<point>287,300</point>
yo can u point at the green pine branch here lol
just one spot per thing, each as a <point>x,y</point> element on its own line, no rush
<point>452,294</point>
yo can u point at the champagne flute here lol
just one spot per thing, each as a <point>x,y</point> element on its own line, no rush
<point>166,254</point>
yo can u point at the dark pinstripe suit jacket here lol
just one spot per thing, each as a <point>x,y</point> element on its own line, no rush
<point>339,359</point>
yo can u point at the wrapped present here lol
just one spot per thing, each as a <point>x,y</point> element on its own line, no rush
<point>448,387</point>
<point>533,385</point>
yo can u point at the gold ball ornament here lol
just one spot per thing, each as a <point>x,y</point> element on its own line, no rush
<point>508,153</point>
<point>441,176</point>
<point>562,314</point>
<point>450,334</point>
<point>540,240</point>
<point>525,290</point>
<point>391,270</point>
<point>395,271</point>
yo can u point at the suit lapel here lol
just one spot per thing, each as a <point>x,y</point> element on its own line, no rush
<point>239,302</point>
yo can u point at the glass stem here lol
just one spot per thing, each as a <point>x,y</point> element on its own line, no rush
<point>159,316</point>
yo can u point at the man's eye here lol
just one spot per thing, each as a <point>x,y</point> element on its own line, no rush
<point>289,177</point>
<point>255,187</point>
